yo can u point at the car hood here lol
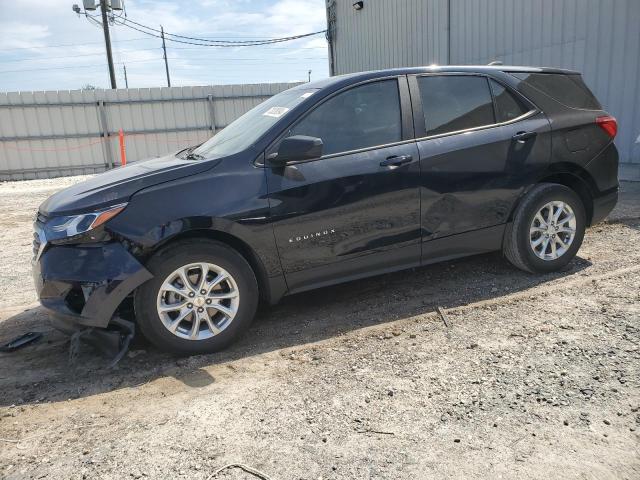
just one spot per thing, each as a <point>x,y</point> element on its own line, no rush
<point>118,185</point>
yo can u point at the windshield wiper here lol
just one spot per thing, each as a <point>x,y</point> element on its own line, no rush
<point>193,156</point>
<point>190,155</point>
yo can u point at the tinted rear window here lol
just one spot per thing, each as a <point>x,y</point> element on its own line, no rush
<point>452,103</point>
<point>569,90</point>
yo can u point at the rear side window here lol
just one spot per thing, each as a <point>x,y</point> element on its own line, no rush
<point>508,106</point>
<point>451,103</point>
<point>364,116</point>
<point>569,90</point>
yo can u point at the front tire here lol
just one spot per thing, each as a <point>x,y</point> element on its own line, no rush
<point>547,229</point>
<point>203,296</point>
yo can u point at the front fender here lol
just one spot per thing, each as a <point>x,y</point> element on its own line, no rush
<point>231,199</point>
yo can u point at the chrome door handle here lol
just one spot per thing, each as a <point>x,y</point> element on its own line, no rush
<point>396,160</point>
<point>522,137</point>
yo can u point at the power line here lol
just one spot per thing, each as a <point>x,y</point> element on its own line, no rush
<point>208,40</point>
<point>151,32</point>
<point>138,39</point>
<point>201,42</point>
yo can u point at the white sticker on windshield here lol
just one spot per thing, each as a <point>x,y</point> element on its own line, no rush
<point>306,95</point>
<point>276,112</point>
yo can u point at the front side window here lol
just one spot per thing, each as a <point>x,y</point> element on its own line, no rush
<point>361,117</point>
<point>451,103</point>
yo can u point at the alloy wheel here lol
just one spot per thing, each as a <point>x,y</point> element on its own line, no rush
<point>198,301</point>
<point>552,230</point>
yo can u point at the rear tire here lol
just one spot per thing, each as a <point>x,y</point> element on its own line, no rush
<point>202,297</point>
<point>547,229</point>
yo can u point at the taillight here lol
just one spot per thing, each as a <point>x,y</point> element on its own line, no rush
<point>608,124</point>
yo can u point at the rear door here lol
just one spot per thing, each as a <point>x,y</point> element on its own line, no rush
<point>480,145</point>
<point>356,210</point>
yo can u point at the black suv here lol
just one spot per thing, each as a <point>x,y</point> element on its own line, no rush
<point>327,182</point>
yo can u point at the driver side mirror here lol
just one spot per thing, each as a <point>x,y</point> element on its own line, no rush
<point>296,148</point>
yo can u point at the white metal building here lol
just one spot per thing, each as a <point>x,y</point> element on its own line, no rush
<point>600,38</point>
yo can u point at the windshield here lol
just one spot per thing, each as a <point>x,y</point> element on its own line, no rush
<point>246,130</point>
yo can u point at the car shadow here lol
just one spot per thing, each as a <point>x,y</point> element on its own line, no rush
<point>42,373</point>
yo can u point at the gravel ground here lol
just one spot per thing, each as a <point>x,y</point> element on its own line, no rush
<point>524,377</point>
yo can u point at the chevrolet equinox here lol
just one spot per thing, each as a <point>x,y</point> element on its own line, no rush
<point>327,182</point>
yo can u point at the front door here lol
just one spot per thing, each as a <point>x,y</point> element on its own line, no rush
<point>355,210</point>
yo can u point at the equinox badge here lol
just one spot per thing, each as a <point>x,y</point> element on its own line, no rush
<point>311,235</point>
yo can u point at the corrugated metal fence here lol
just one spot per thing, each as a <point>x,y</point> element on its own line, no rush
<point>56,133</point>
<point>600,38</point>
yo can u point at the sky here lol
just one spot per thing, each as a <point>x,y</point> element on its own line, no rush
<point>44,45</point>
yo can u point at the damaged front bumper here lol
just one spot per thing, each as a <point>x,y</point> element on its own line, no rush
<point>83,285</point>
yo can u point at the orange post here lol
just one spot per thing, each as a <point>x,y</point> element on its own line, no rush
<point>123,149</point>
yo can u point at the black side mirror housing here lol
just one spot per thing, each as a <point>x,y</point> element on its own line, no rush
<point>297,148</point>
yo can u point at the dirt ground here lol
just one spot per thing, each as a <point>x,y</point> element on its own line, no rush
<point>525,376</point>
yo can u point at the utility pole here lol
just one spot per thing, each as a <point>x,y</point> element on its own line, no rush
<point>330,35</point>
<point>126,82</point>
<point>107,41</point>
<point>166,61</point>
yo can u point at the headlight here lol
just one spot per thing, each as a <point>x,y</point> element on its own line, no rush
<point>58,228</point>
